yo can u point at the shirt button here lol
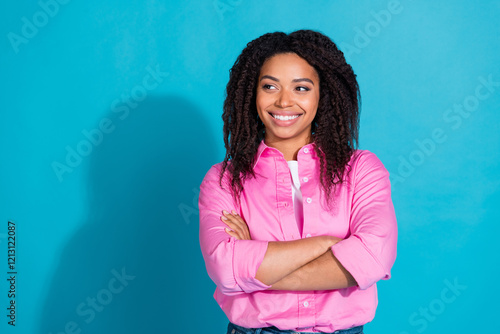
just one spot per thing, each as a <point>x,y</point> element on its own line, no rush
<point>305,179</point>
<point>306,304</point>
<point>306,150</point>
<point>309,200</point>
<point>308,235</point>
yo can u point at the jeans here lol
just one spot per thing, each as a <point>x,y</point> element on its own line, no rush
<point>235,329</point>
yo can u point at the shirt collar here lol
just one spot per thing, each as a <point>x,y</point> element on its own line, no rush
<point>264,148</point>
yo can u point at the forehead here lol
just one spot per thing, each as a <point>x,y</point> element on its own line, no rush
<point>288,64</point>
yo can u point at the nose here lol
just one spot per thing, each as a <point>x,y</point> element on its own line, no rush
<point>284,99</point>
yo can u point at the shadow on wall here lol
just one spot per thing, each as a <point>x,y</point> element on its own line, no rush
<point>135,265</point>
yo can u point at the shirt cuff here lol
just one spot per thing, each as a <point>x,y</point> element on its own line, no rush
<point>248,255</point>
<point>359,262</point>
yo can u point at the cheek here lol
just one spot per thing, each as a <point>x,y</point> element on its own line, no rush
<point>258,99</point>
<point>262,102</point>
<point>315,103</point>
<point>310,105</point>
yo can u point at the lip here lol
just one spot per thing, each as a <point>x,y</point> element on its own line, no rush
<point>289,122</point>
<point>284,113</point>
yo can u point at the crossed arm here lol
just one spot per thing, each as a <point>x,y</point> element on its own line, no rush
<point>299,265</point>
<point>306,264</point>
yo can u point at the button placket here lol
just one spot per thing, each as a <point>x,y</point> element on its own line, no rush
<point>285,200</point>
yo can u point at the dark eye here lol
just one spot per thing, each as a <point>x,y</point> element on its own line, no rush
<point>303,89</point>
<point>268,86</point>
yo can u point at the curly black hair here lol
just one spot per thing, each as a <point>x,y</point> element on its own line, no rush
<point>335,127</point>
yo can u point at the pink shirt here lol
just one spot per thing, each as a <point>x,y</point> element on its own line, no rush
<point>363,216</point>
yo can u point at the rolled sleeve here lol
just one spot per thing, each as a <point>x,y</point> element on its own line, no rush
<point>370,250</point>
<point>231,264</point>
<point>248,255</point>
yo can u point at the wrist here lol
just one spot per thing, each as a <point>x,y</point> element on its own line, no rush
<point>332,240</point>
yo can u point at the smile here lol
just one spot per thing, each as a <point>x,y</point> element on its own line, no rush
<point>285,118</point>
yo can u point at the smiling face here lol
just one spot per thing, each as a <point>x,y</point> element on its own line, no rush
<point>287,100</point>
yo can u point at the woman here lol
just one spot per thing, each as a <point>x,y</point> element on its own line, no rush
<point>296,225</point>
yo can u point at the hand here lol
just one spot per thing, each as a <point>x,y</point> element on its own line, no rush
<point>333,240</point>
<point>327,241</point>
<point>237,226</point>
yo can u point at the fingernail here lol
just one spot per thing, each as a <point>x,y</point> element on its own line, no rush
<point>223,218</point>
<point>225,212</point>
<point>234,212</point>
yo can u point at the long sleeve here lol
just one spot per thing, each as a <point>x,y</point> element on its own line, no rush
<point>362,215</point>
<point>370,250</point>
<point>231,264</point>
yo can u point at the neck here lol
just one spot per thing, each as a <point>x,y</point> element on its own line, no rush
<point>289,148</point>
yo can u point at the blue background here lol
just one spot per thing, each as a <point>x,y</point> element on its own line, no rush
<point>128,203</point>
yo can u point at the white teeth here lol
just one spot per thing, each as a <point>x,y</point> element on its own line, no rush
<point>285,118</point>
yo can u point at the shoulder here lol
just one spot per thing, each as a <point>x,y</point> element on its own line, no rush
<point>365,159</point>
<point>213,174</point>
<point>364,162</point>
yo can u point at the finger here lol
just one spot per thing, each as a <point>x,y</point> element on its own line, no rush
<point>235,220</point>
<point>232,233</point>
<point>230,221</point>
<point>232,213</point>
<point>235,226</point>
<point>238,217</point>
<point>244,226</point>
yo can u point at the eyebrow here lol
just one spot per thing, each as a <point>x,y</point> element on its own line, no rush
<point>294,80</point>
